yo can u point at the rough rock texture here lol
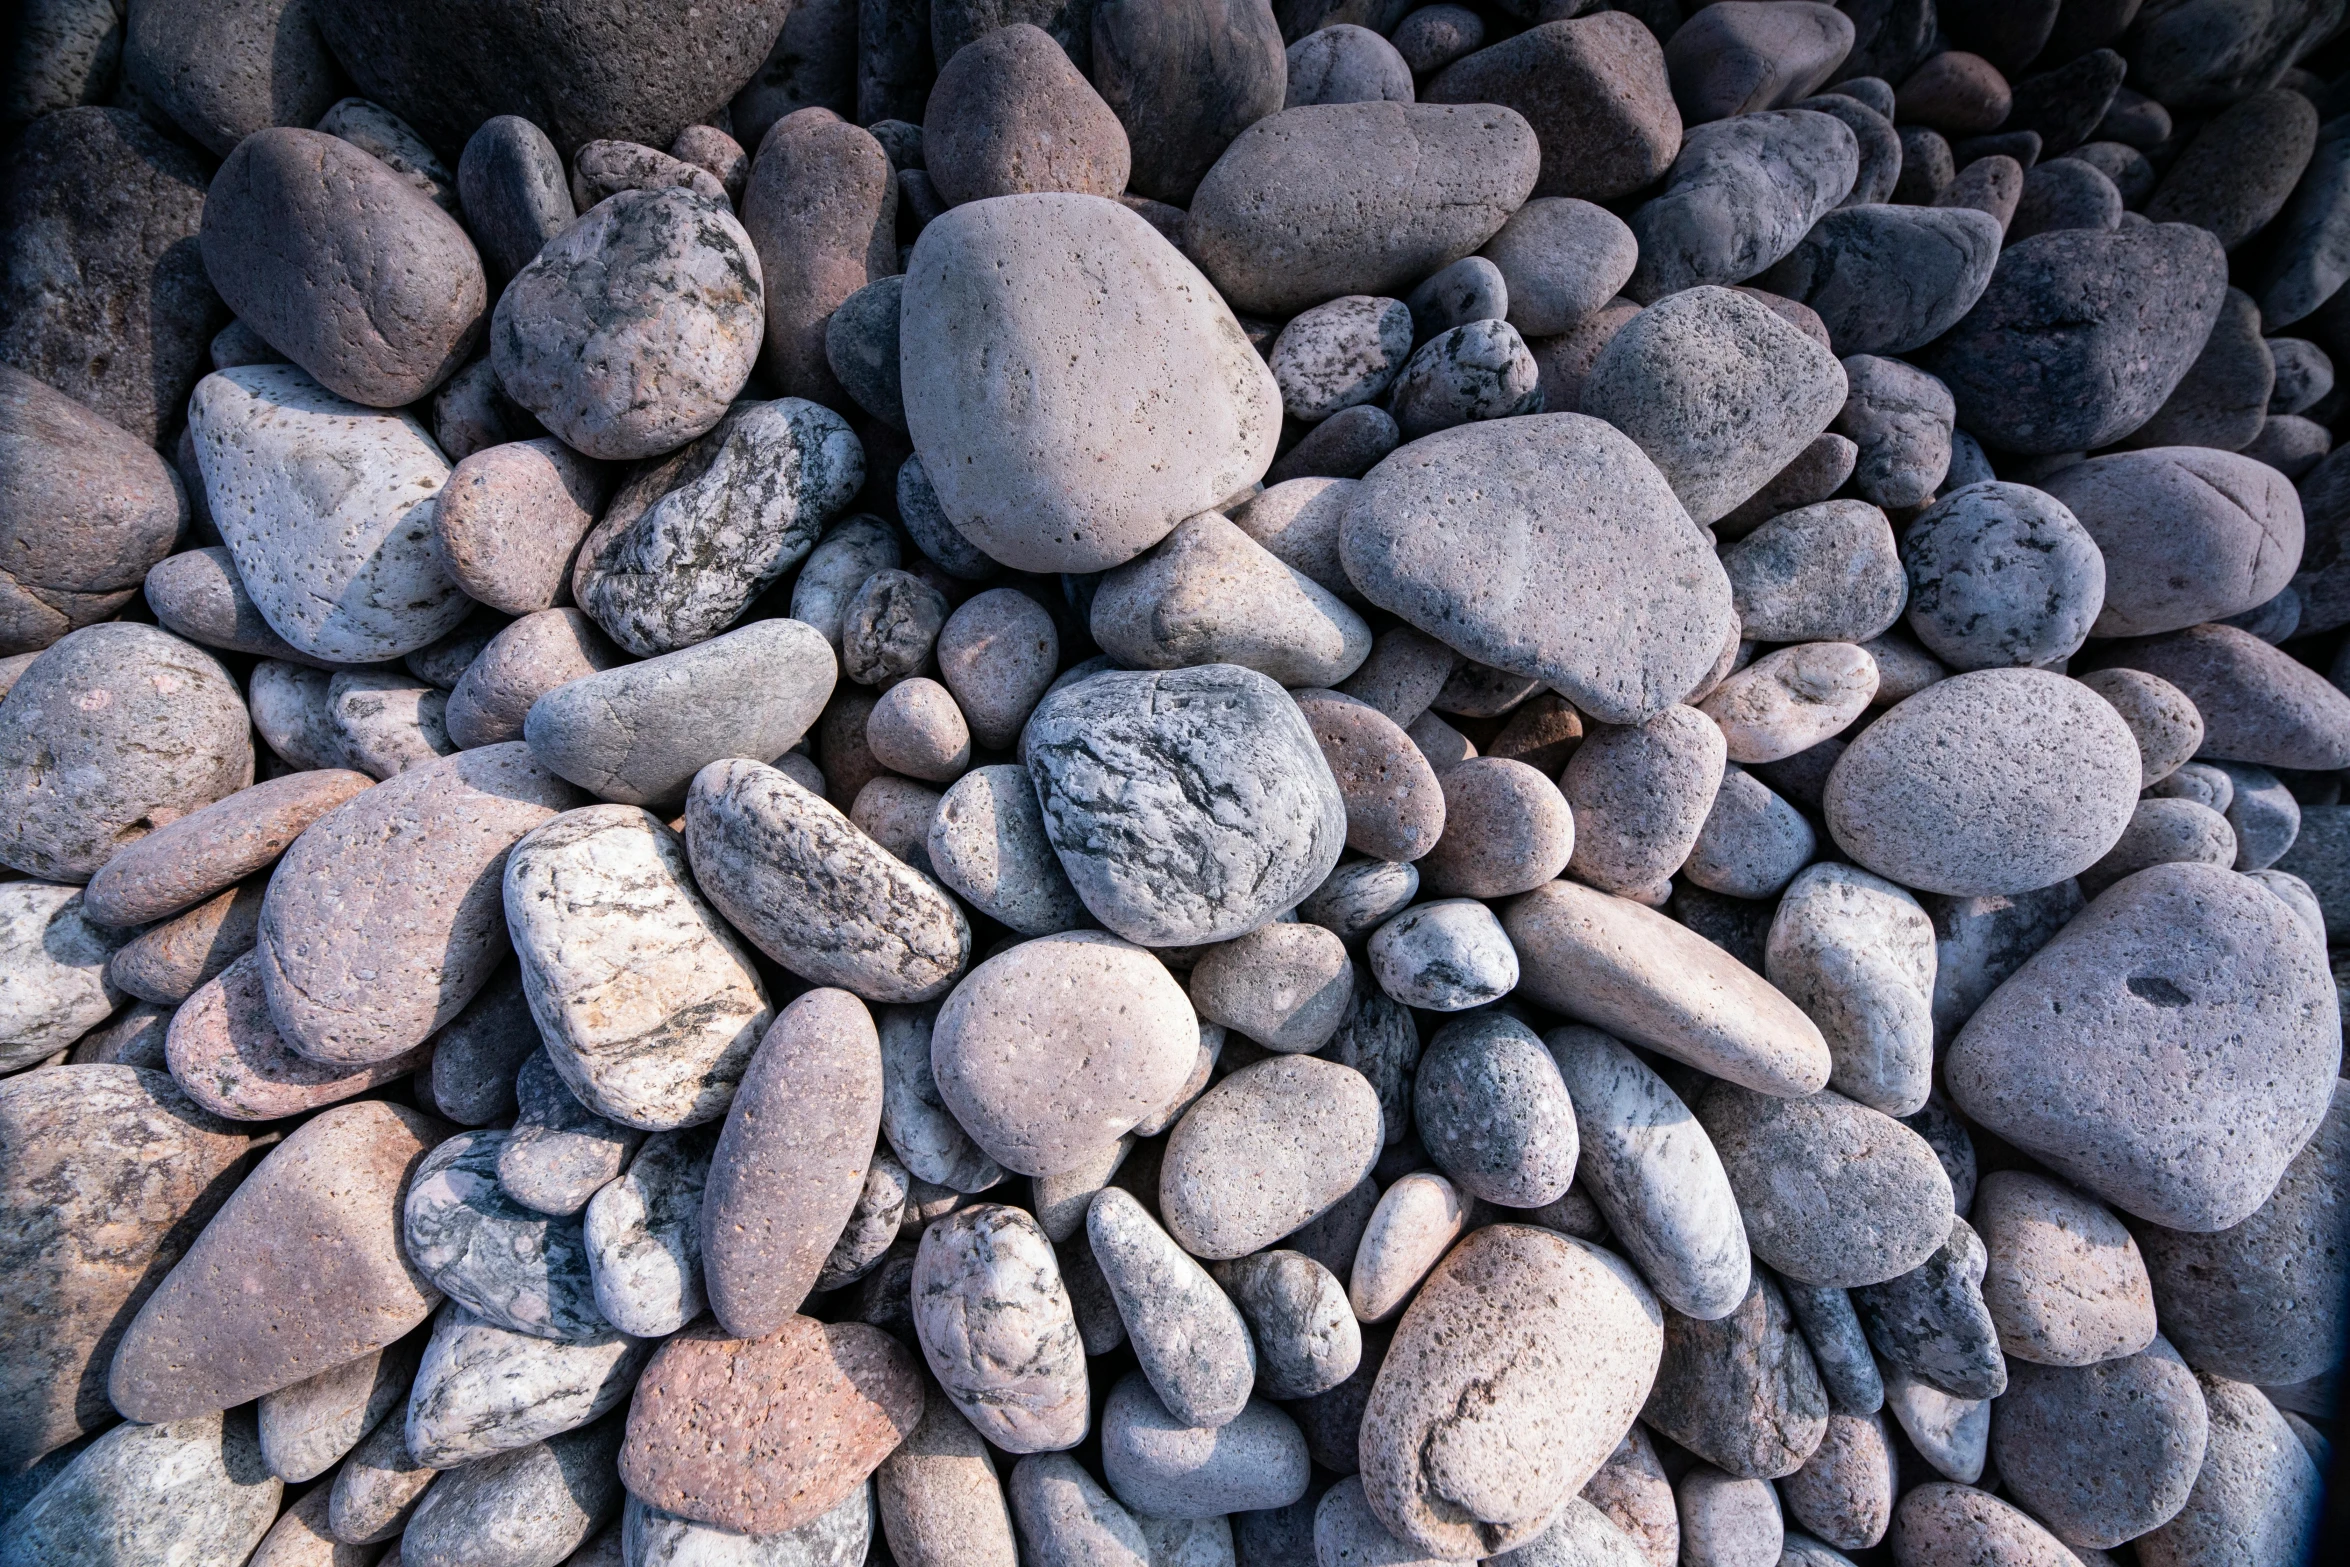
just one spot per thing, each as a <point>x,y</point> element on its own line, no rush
<point>513,1266</point>
<point>2189,534</point>
<point>483,1389</point>
<point>1265,1152</point>
<point>1740,1391</point>
<point>1595,91</point>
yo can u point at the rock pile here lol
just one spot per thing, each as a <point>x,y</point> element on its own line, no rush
<point>1173,783</point>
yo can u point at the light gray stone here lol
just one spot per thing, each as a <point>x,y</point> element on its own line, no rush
<point>1208,593</point>
<point>1162,1467</point>
<point>2063,1279</point>
<point>530,1507</point>
<point>1194,1346</point>
<point>307,1428</point>
<point>996,1328</point>
<point>644,1236</point>
<point>559,1153</point>
<point>1066,1520</point>
<point>649,1537</point>
<point>1826,572</point>
<point>1265,1152</point>
<point>1444,956</point>
<point>1857,954</point>
<point>484,1389</point>
<point>1340,354</point>
<point>53,960</point>
<point>1753,841</point>
<point>2102,1453</point>
<point>189,1490</point>
<point>1305,1331</point>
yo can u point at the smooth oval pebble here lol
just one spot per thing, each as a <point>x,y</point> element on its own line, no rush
<point>1741,1391</point>
<point>1493,1113</point>
<point>1306,1334</point>
<point>2064,1281</point>
<point>482,1389</point>
<point>186,861</point>
<point>1193,1345</point>
<point>987,841</point>
<point>1266,1151</point>
<point>997,1331</point>
<point>192,1489</point>
<point>2102,1453</point>
<point>1164,1469</point>
<point>228,1056</point>
<point>1444,956</point>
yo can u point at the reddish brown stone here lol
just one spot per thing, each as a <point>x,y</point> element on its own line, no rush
<point>766,1434</point>
<point>227,1055</point>
<point>168,963</point>
<point>301,1270</point>
<point>181,864</point>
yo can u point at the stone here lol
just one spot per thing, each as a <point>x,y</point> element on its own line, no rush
<point>2266,817</point>
<point>1143,734</point>
<point>839,1538</point>
<point>1567,1341</point>
<point>343,265</point>
<point>2064,350</point>
<point>767,1433</point>
<point>1857,954</point>
<point>1480,370</point>
<point>1740,1391</point>
<point>1184,81</point>
<point>2308,264</point>
<point>1340,354</point>
<point>1356,198</point>
<point>2064,193</point>
<point>1444,956</point>
<point>2157,1149</point>
<point>917,729</point>
<point>2257,1300</point>
<point>1066,1520</point>
<point>1286,986</point>
<point>861,351</point>
<point>387,722</point>
<point>197,595</point>
<point>1901,419</point>
<point>1340,62</point>
<point>300,1537</point>
<point>940,1501</point>
<point>520,1506</point>
<point>2102,1453</point>
<point>604,168</point>
<point>2305,374</point>
<point>301,1269</point>
<point>532,656</point>
<point>997,654</point>
<point>1210,594</point>
<point>997,1331</point>
<point>1508,829</point>
<point>1839,1346</point>
<point>1766,388</point>
<point>2064,1280</point>
<point>193,1489</point>
<point>1046,483</point>
<point>510,184</point>
<point>782,1186</point>
<point>2258,1492</point>
<point>644,1236</point>
<point>483,1389</point>
<point>1827,572</point>
<point>1310,1130</point>
<point>1622,641</point>
<point>2167,727</point>
<point>117,1172</point>
<point>2222,401</point>
<point>2164,832</point>
<point>509,521</point>
<point>2060,761</point>
<point>515,1267</point>
<point>231,71</point>
<point>1192,1343</point>
<point>1380,1040</point>
<point>1307,1339</point>
<point>1395,804</point>
<point>229,1058</point>
<point>1562,260</point>
<point>1739,197</point>
<point>1344,446</point>
<point>1952,1434</point>
<point>2237,172</point>
<point>987,841</point>
<point>796,877</point>
<point>476,1055</point>
<point>2258,704</point>
<point>353,580</point>
<point>820,208</point>
<point>1015,116</point>
<point>1656,984</point>
<point>1831,1192</point>
<point>56,957</point>
<point>102,283</point>
<point>1938,1524</point>
<point>1726,1519</point>
<point>471,413</point>
<point>1790,700</point>
<point>1747,60</point>
<point>2189,534</point>
<point>560,1153</point>
<point>1595,92</point>
<point>90,509</point>
<point>1415,1223</point>
<point>1164,1469</point>
<point>1493,1113</point>
<point>1932,1322</point>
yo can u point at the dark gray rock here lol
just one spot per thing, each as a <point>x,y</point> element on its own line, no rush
<point>2237,172</point>
<point>2062,106</point>
<point>813,64</point>
<point>1194,1345</point>
<point>1471,289</point>
<point>510,182</point>
<point>2222,401</point>
<point>1900,418</point>
<point>861,346</point>
<point>1741,194</point>
<point>2125,165</point>
<point>1932,1322</point>
<point>1726,63</point>
<point>2305,374</point>
<point>1493,1113</point>
<point>1184,78</point>
<point>1595,91</point>
<point>1980,941</point>
<point>2312,255</point>
<point>1741,1391</point>
<point>222,72</point>
<point>1839,1346</point>
<point>2188,534</point>
<point>955,23</point>
<point>2002,575</point>
<point>1561,260</point>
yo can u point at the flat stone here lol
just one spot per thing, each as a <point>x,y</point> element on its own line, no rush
<point>301,1269</point>
<point>229,1057</point>
<point>1655,983</point>
<point>1135,746</point>
<point>769,1433</point>
<point>2180,962</point>
<point>1046,482</point>
<point>798,879</point>
<point>1596,94</point>
<point>193,1489</point>
<point>549,1496</point>
<point>2064,1280</point>
<point>518,1268</point>
<point>1264,1152</point>
<point>482,1389</point>
<point>1208,593</point>
<point>1566,1343</point>
<point>1739,196</point>
<point>1831,1192</point>
<point>1356,198</point>
<point>2102,1453</point>
<point>997,1331</point>
<point>1192,1343</point>
<point>2258,1491</point>
<point>644,1236</point>
<point>576,334</point>
<point>1622,640</point>
<point>1741,1391</point>
<point>1889,279</point>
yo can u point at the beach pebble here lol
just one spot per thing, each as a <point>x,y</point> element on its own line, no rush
<point>996,1329</point>
<point>1890,279</point>
<point>1211,594</point>
<point>1562,259</point>
<point>1727,1520</point>
<point>1494,1115</point>
<point>508,522</point>
<point>1790,700</point>
<point>518,1506</point>
<point>1825,572</point>
<point>938,1496</point>
<point>2063,1280</point>
<point>644,1236</point>
<point>1932,1322</point>
<point>2102,1453</point>
<point>1740,1391</point>
<point>1193,1344</point>
<point>193,1488</point>
<point>2188,534</point>
<point>1343,63</point>
<point>1447,955</point>
<point>1938,1525</point>
<point>1752,841</point>
<point>1840,1349</point>
<point>1286,986</point>
<point>1952,1434</point>
<point>482,1389</point>
<point>997,654</point>
<point>1857,954</point>
<point>2258,1490</point>
<point>1164,1469</point>
<point>1738,197</point>
<point>987,841</point>
<point>1068,1520</point>
<point>1307,1338</point>
<point>520,1269</point>
<point>224,1051</point>
<point>1265,1151</point>
<point>1014,115</point>
<point>1640,795</point>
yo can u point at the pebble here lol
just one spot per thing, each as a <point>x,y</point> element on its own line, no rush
<point>772,1432</point>
<point>1740,1391</point>
<point>797,879</point>
<point>1016,116</point>
<point>1265,1151</point>
<point>2258,1491</point>
<point>2189,534</point>
<point>508,523</point>
<point>1444,956</point>
<point>2064,1280</point>
<point>987,841</point>
<point>1562,260</point>
<point>482,1389</point>
<point>997,1331</point>
<point>532,656</point>
<point>644,1236</point>
<point>917,729</point>
<point>57,958</point>
<point>1067,1520</point>
<point>2058,759</point>
<point>851,550</point>
<point>1286,986</point>
<point>2102,1453</point>
<point>2258,704</point>
<point>1164,1469</point>
<point>820,207</point>
<point>1043,482</point>
<point>938,1496</point>
<point>1596,94</point>
<point>889,628</point>
<point>1306,1335</point>
<point>1340,354</point>
<point>313,1232</point>
<point>1889,279</point>
<point>1415,1223</point>
<point>1640,795</point>
<point>1565,1342</point>
<point>1493,1113</point>
<point>518,1507</point>
<point>2170,960</point>
<point>1739,197</point>
<point>1932,1322</point>
<point>193,1489</point>
<point>225,1053</point>
<point>2167,727</point>
<point>1839,1346</point>
<point>1952,1434</point>
<point>1508,829</point>
<point>654,1538</point>
<point>1857,954</point>
<point>1940,1525</point>
<point>1727,1521</point>
<point>1790,700</point>
<point>1211,594</point>
<point>558,1153</point>
<point>997,654</point>
<point>1825,572</point>
<point>512,1265</point>
<point>2002,575</point>
<point>1192,1342</point>
<point>1343,63</point>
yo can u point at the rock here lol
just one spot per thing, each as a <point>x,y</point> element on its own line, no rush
<point>2064,193</point>
<point>820,207</point>
<point>1477,371</point>
<point>2257,1300</point>
<point>1768,391</point>
<point>1508,829</point>
<point>1444,956</point>
<point>988,842</point>
<point>356,579</point>
<point>1416,1221</point>
<point>1342,63</point>
<point>300,1270</point>
<point>483,1389</point>
<point>1268,1149</point>
<point>1595,92</point>
<point>1563,259</point>
<point>228,1057</point>
<point>604,168</point>
<point>644,1236</point>
<point>1286,986</point>
<point>518,1506</point>
<point>232,70</point>
<point>1827,572</point>
<point>2177,1157</point>
<point>2258,1492</point>
<point>2307,265</point>
<point>793,875</point>
<point>105,294</point>
<point>1654,1176</point>
<point>997,654</point>
<point>1316,201</point>
<point>510,184</point>
<point>1952,1434</point>
<point>769,1433</point>
<point>1015,116</point>
<point>1609,962</point>
<point>56,957</point>
<point>1857,954</point>
<point>387,722</point>
<point>1340,354</point>
<point>197,595</point>
<point>917,729</point>
<point>2222,401</point>
<point>861,351</point>
<point>1839,1346</point>
<point>560,1152</point>
<point>1743,61</point>
<point>1164,1469</point>
<point>117,1171</point>
<point>1307,1340</point>
<point>1008,476</point>
<point>1493,1113</point>
<point>508,523</point>
<point>1819,470</point>
<point>1141,730</point>
<point>476,1055</point>
<point>1739,197</point>
<point>300,1537</point>
<point>1790,700</point>
<point>1210,594</point>
<point>1740,1391</point>
<point>1900,418</point>
<point>2237,172</point>
<point>2064,1281</point>
<point>1395,805</point>
<point>192,1489</point>
<point>515,1267</point>
<point>2165,724</point>
<point>529,658</point>
<point>1567,1342</point>
<point>89,510</point>
<point>997,1331</point>
<point>2064,352</point>
<point>1932,1323</point>
<point>1380,1040</point>
<point>1184,81</point>
<point>889,627</point>
<point>940,1501</point>
<point>2189,534</point>
<point>2266,817</point>
<point>1940,1525</point>
<point>1192,1343</point>
<point>839,1538</point>
<point>1874,1202</point>
<point>2258,704</point>
<point>2058,758</point>
<point>1727,1519</point>
<point>1344,446</point>
<point>2102,1453</point>
<point>1617,663</point>
<point>2164,832</point>
<point>1067,1520</point>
